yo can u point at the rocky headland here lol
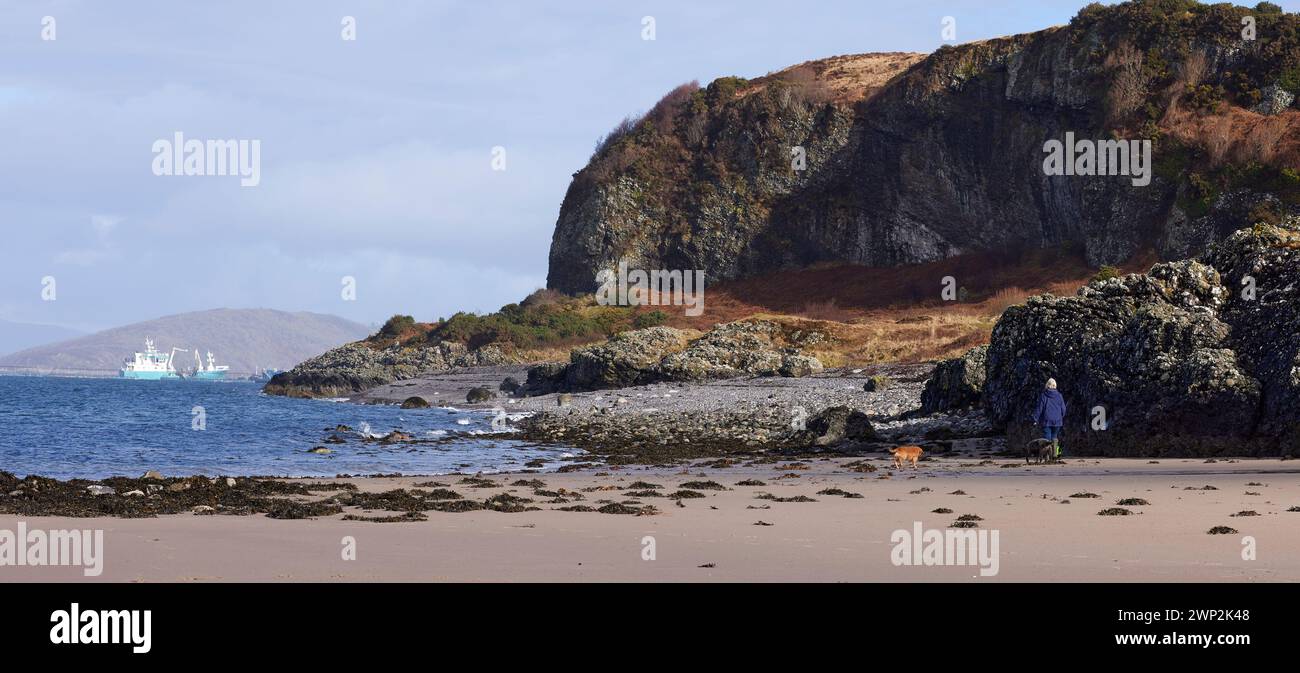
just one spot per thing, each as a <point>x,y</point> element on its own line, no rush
<point>895,161</point>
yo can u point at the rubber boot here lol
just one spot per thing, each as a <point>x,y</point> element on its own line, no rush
<point>1056,444</point>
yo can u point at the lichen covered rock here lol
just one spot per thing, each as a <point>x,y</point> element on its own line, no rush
<point>360,366</point>
<point>1198,357</point>
<point>956,383</point>
<point>655,354</point>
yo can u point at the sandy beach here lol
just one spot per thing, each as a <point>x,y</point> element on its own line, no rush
<point>1047,531</point>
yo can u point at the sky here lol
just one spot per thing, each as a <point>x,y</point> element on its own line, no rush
<point>376,154</point>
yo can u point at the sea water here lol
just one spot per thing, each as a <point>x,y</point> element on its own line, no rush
<point>95,428</point>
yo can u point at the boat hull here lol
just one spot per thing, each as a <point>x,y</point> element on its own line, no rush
<point>148,376</point>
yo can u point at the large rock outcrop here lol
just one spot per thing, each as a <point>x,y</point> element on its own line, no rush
<point>928,157</point>
<point>654,354</point>
<point>1199,357</point>
<point>360,366</point>
<point>957,383</point>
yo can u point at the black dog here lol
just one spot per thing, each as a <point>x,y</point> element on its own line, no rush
<point>1041,449</point>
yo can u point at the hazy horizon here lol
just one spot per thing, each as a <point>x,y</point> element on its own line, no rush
<point>376,154</point>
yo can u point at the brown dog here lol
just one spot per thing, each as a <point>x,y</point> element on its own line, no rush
<point>906,453</point>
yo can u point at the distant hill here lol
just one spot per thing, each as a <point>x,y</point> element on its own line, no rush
<point>16,336</point>
<point>244,339</point>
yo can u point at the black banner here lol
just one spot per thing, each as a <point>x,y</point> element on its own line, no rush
<point>292,621</point>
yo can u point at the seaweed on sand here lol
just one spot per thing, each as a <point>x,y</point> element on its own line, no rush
<point>397,518</point>
<point>840,492</point>
<point>619,508</point>
<point>773,498</point>
<point>125,497</point>
<point>291,509</point>
<point>511,504</point>
<point>704,486</point>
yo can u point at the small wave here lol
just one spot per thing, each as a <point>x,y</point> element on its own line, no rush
<point>366,432</point>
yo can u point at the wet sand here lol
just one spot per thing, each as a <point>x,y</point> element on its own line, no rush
<point>1041,538</point>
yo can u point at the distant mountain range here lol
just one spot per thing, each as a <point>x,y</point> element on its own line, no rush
<point>16,336</point>
<point>244,339</point>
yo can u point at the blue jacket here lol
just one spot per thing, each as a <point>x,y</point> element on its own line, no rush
<point>1051,409</point>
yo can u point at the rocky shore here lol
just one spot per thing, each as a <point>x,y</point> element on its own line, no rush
<point>1193,358</point>
<point>844,411</point>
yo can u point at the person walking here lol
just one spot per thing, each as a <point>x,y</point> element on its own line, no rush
<point>1050,414</point>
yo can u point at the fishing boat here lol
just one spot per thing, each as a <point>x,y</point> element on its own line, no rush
<point>152,364</point>
<point>212,372</point>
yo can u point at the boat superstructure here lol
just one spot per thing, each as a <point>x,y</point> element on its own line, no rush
<point>152,364</point>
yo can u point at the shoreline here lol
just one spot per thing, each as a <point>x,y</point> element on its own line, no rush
<point>796,526</point>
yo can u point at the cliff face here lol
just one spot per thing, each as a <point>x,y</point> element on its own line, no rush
<point>912,159</point>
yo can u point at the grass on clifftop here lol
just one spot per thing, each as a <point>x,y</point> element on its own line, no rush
<point>544,321</point>
<point>871,315</point>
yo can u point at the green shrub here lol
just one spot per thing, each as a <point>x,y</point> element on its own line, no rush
<point>649,319</point>
<point>396,326</point>
<point>1106,272</point>
<point>534,323</point>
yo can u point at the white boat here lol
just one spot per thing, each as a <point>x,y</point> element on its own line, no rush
<point>151,365</point>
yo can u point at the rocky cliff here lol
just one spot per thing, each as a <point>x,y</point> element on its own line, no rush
<point>909,158</point>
